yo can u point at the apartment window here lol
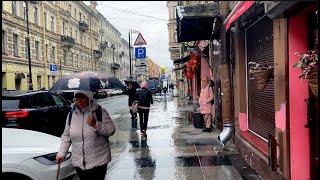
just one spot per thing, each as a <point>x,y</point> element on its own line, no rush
<point>15,45</point>
<point>71,60</point>
<point>85,40</point>
<point>63,27</point>
<point>37,49</point>
<point>53,56</point>
<point>77,60</point>
<point>71,31</point>
<point>80,16</point>
<point>4,41</point>
<point>76,36</point>
<point>36,15</point>
<point>45,21</point>
<point>14,7</point>
<point>65,57</point>
<point>52,23</point>
<point>75,12</point>
<point>80,38</point>
<point>70,8</point>
<point>47,52</point>
<point>81,61</point>
<point>26,48</point>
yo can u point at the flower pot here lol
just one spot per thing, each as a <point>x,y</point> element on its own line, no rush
<point>261,78</point>
<point>313,81</point>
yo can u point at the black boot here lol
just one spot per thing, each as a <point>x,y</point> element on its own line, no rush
<point>207,130</point>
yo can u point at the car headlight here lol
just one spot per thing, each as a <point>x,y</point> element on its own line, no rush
<point>50,159</point>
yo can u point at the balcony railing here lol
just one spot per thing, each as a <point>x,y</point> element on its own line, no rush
<point>103,44</point>
<point>83,26</point>
<point>67,41</point>
<point>115,66</point>
<point>97,53</point>
<point>65,12</point>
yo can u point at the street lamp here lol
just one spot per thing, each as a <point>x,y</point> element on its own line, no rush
<point>29,53</point>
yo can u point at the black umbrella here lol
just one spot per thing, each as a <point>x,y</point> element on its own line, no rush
<point>133,82</point>
<point>86,80</point>
<point>115,83</point>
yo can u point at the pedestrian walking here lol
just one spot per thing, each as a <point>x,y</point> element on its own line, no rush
<point>144,100</point>
<point>87,129</point>
<point>205,101</point>
<point>132,93</point>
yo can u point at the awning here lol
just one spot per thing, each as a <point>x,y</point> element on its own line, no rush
<point>178,68</point>
<point>237,11</point>
<point>197,22</point>
<point>182,60</point>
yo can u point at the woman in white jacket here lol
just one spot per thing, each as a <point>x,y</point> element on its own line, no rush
<point>88,136</point>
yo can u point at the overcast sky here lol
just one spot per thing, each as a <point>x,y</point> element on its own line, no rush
<point>148,17</point>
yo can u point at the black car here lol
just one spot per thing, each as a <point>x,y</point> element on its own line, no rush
<point>42,111</point>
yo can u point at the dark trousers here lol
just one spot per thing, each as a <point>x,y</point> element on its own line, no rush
<point>144,115</point>
<point>133,119</point>
<point>97,173</point>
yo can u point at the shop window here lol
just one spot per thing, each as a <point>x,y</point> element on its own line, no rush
<point>39,82</point>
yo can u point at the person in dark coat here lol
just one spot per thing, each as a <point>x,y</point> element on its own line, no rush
<point>144,100</point>
<point>132,97</point>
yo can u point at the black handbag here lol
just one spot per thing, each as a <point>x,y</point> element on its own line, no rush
<point>198,121</point>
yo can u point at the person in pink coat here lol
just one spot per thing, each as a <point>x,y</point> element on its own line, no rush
<point>205,98</point>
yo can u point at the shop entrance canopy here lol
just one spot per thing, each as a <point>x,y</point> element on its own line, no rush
<point>198,22</point>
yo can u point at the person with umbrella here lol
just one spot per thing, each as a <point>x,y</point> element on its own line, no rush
<point>132,97</point>
<point>87,128</point>
<point>88,136</point>
<point>131,92</point>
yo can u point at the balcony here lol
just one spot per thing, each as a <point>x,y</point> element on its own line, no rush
<point>83,26</point>
<point>97,53</point>
<point>67,41</point>
<point>115,66</point>
<point>103,44</point>
<point>65,13</point>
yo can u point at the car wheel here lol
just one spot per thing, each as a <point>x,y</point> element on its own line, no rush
<point>9,176</point>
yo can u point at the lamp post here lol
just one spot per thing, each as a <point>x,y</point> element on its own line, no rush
<point>130,47</point>
<point>29,53</point>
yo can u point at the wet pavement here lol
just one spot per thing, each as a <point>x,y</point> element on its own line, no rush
<point>173,149</point>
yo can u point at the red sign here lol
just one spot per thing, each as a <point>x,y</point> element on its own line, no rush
<point>140,40</point>
<point>237,12</point>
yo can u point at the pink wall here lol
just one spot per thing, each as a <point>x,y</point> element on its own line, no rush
<point>205,70</point>
<point>298,92</point>
<point>243,121</point>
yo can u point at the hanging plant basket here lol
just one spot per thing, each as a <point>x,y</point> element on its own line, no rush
<point>260,77</point>
<point>312,78</point>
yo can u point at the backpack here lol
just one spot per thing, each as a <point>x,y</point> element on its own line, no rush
<point>98,113</point>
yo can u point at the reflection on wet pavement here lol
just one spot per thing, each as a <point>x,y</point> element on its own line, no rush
<point>173,150</point>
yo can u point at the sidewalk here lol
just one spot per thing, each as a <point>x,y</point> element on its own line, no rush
<point>174,149</point>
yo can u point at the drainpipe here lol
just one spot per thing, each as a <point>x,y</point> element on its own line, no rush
<point>227,112</point>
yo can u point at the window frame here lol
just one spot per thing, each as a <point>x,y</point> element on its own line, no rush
<point>15,50</point>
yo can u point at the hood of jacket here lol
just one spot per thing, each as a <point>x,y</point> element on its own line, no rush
<point>93,105</point>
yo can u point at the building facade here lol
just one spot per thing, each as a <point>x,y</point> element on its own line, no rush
<point>153,70</point>
<point>62,35</point>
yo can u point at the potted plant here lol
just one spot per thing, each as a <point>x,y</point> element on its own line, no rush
<point>260,73</point>
<point>308,63</point>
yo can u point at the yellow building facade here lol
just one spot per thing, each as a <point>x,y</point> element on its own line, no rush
<point>68,34</point>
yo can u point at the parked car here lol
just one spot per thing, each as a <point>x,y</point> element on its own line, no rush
<point>42,111</point>
<point>31,155</point>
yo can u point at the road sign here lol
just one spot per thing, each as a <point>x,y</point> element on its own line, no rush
<point>140,40</point>
<point>141,63</point>
<point>141,71</point>
<point>140,52</point>
<point>53,69</point>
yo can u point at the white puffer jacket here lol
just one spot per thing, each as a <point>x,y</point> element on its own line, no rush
<point>90,146</point>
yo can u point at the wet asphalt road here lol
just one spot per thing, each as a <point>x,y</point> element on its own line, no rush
<point>173,150</point>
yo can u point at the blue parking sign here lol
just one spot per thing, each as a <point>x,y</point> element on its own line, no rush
<point>140,52</point>
<point>53,68</point>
